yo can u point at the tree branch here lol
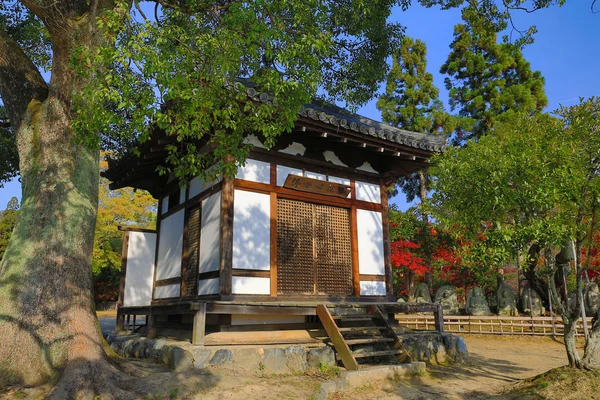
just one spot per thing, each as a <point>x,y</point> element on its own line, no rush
<point>20,80</point>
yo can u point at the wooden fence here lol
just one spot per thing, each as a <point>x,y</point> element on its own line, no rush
<point>491,325</point>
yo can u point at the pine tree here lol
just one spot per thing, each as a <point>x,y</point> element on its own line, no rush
<point>489,80</point>
<point>411,102</point>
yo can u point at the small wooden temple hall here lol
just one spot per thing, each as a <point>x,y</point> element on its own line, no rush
<point>299,236</point>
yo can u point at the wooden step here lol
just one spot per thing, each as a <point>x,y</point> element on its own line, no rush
<point>364,354</point>
<point>353,317</point>
<point>350,342</point>
<point>358,329</point>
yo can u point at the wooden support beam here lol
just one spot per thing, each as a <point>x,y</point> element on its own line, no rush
<point>151,322</point>
<point>336,338</point>
<point>199,327</point>
<point>226,236</point>
<point>120,327</point>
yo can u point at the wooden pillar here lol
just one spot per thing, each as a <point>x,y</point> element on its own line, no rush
<point>199,327</point>
<point>226,236</point>
<point>120,327</point>
<point>387,253</point>
<point>439,318</point>
<point>128,321</point>
<point>133,326</point>
<point>354,242</point>
<point>123,269</point>
<point>151,322</point>
<point>273,244</point>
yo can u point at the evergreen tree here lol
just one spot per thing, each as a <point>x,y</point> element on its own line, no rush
<point>489,80</point>
<point>8,218</point>
<point>411,102</point>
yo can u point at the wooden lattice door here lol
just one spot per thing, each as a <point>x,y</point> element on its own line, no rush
<point>314,253</point>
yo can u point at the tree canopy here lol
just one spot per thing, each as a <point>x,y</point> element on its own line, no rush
<point>531,185</point>
<point>489,80</point>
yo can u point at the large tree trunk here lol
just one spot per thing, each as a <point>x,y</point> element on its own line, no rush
<point>592,345</point>
<point>47,321</point>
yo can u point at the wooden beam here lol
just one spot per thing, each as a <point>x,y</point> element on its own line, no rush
<point>199,327</point>
<point>273,243</point>
<point>123,269</point>
<point>151,322</point>
<point>387,252</point>
<point>226,236</point>
<point>336,338</point>
<point>438,315</point>
<point>354,247</point>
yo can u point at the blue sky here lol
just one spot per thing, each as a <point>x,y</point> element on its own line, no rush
<point>566,51</point>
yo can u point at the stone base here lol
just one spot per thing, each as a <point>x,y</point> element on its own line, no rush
<point>180,355</point>
<point>435,347</point>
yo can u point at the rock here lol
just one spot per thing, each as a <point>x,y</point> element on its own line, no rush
<point>248,359</point>
<point>446,296</point>
<point>165,354</point>
<point>441,356</point>
<point>422,293</point>
<point>476,302</point>
<point>154,348</point>
<point>296,359</point>
<point>591,297</point>
<point>461,347</point>
<point>507,303</point>
<point>181,360</point>
<point>537,307</point>
<point>321,356</point>
<point>201,357</point>
<point>275,361</point>
<point>221,358</point>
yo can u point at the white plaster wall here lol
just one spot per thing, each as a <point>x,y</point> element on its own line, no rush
<point>368,192</point>
<point>198,185</point>
<point>165,205</point>
<point>370,242</point>
<point>255,171</point>
<point>250,285</point>
<point>372,288</point>
<point>182,193</point>
<point>249,319</point>
<point>167,291</point>
<point>342,181</point>
<point>283,172</point>
<point>333,158</point>
<point>210,233</point>
<point>315,175</point>
<point>253,140</point>
<point>251,230</point>
<point>170,247</point>
<point>367,168</point>
<point>140,269</point>
<point>208,286</point>
<point>295,149</point>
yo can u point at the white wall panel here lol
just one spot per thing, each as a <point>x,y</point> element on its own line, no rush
<point>255,171</point>
<point>333,158</point>
<point>253,140</point>
<point>167,291</point>
<point>139,276</point>
<point>370,242</point>
<point>283,172</point>
<point>165,205</point>
<point>208,286</point>
<point>170,247</point>
<point>250,319</point>
<point>182,193</point>
<point>250,285</point>
<point>295,149</point>
<point>251,230</point>
<point>342,181</point>
<point>368,192</point>
<point>367,168</point>
<point>210,234</point>
<point>198,185</point>
<point>315,175</point>
<point>372,288</point>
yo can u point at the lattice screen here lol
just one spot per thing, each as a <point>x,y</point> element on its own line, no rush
<point>193,243</point>
<point>313,249</point>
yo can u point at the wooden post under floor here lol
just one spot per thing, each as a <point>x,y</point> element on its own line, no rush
<point>120,322</point>
<point>199,327</point>
<point>151,322</point>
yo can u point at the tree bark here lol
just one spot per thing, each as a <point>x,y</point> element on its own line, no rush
<point>423,198</point>
<point>569,338</point>
<point>48,324</point>
<point>592,344</point>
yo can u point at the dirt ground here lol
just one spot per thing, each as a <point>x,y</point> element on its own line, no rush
<point>497,363</point>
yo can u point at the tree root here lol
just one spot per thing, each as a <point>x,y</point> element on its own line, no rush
<point>94,379</point>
